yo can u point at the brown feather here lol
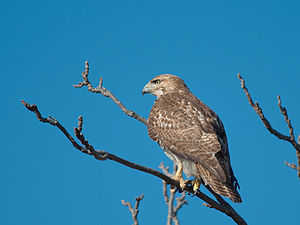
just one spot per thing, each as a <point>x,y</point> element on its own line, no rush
<point>190,132</point>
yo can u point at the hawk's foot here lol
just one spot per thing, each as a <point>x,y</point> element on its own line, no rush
<point>179,178</point>
<point>182,184</point>
<point>196,185</point>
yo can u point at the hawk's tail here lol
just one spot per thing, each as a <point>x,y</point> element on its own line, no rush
<point>222,188</point>
<point>225,189</point>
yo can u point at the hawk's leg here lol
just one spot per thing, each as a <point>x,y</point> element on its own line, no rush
<point>178,177</point>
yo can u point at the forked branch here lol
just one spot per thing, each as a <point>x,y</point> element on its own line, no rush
<point>169,200</point>
<point>101,90</point>
<point>134,211</point>
<point>289,138</point>
<point>220,205</point>
<point>87,148</point>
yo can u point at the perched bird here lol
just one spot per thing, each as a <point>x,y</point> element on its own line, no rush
<point>191,135</point>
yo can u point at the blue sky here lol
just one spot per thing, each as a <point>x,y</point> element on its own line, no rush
<point>44,44</point>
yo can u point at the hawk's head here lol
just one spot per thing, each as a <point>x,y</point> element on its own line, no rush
<point>165,84</point>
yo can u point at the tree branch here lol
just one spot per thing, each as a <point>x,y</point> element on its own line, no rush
<point>283,110</point>
<point>103,155</point>
<point>293,165</point>
<point>180,201</point>
<point>101,90</point>
<point>134,212</point>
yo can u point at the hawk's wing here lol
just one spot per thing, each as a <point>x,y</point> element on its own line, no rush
<point>188,128</point>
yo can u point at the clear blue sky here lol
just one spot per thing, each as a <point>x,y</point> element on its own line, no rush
<point>44,180</point>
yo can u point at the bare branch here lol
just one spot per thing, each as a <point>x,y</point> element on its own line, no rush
<point>105,92</point>
<point>298,160</point>
<point>172,210</point>
<point>134,211</point>
<point>55,123</point>
<point>86,148</point>
<point>207,205</point>
<point>288,122</point>
<point>283,110</point>
<point>293,165</point>
<point>168,200</point>
<point>180,201</point>
<point>165,169</point>
<point>165,192</point>
<point>103,155</point>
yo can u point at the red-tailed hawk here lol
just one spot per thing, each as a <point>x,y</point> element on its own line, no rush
<point>191,135</point>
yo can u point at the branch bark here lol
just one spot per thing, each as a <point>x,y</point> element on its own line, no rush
<point>134,211</point>
<point>289,138</point>
<point>220,205</point>
<point>169,200</point>
<point>101,90</point>
<point>103,155</point>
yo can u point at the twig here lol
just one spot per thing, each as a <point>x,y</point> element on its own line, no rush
<point>54,122</point>
<point>298,160</point>
<point>170,208</point>
<point>165,170</point>
<point>168,200</point>
<point>103,155</point>
<point>134,212</point>
<point>100,89</point>
<point>180,201</point>
<point>283,110</point>
<point>292,165</point>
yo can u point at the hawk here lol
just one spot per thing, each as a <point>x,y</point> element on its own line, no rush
<point>191,135</point>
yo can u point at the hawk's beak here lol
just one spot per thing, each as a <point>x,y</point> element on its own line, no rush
<point>146,89</point>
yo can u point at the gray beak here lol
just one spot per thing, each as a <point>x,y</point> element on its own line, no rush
<point>146,89</point>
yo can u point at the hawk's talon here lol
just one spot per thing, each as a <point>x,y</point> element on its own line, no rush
<point>196,185</point>
<point>194,194</point>
<point>183,184</point>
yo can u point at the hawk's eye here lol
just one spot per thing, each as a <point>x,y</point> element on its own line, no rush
<point>156,82</point>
